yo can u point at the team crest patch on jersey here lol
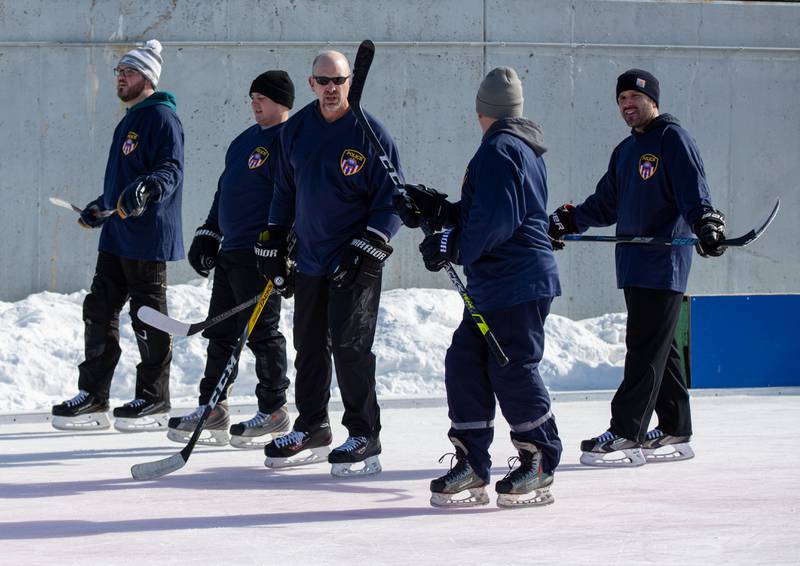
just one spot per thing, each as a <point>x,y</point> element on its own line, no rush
<point>648,164</point>
<point>352,162</point>
<point>131,143</point>
<point>257,158</point>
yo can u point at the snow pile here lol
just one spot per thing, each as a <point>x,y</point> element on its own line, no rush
<point>41,344</point>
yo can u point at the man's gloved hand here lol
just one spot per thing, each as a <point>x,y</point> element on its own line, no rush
<point>562,222</point>
<point>421,202</point>
<point>710,230</point>
<point>133,200</point>
<point>204,249</point>
<point>361,262</point>
<point>271,250</point>
<point>90,217</point>
<point>440,249</point>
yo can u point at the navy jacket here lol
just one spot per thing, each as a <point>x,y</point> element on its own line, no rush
<point>332,185</point>
<point>244,191</point>
<point>655,186</point>
<point>503,243</point>
<point>148,141</point>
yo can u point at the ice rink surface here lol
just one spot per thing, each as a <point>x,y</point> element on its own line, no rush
<point>68,498</point>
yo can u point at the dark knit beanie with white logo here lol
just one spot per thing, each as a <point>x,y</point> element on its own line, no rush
<point>638,80</point>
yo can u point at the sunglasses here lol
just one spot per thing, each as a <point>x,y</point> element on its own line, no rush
<point>125,72</point>
<point>322,81</point>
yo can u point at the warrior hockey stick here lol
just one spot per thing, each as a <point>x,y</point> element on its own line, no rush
<point>364,56</point>
<point>153,470</point>
<point>69,206</point>
<point>738,242</point>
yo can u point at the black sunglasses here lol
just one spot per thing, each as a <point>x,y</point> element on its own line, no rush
<point>322,81</point>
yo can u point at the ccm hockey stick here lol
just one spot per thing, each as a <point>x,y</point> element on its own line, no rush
<point>364,56</point>
<point>158,468</point>
<point>69,206</point>
<point>738,242</point>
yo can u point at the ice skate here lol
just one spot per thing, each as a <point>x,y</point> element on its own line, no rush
<point>299,448</point>
<point>611,451</point>
<point>356,449</point>
<point>253,433</point>
<point>215,429</point>
<point>526,485</point>
<point>82,412</point>
<point>660,447</point>
<point>461,478</point>
<point>141,415</point>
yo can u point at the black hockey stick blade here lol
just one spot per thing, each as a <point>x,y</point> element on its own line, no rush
<point>69,206</point>
<point>160,321</point>
<point>754,234</point>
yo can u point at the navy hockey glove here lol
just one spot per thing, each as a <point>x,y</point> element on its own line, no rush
<point>134,198</point>
<point>421,202</point>
<point>440,249</point>
<point>361,262</point>
<point>204,249</point>
<point>562,222</point>
<point>271,251</point>
<point>90,217</point>
<point>710,230</point>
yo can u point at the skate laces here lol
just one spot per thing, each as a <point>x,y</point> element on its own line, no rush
<point>353,442</point>
<point>78,399</point>
<point>653,434</point>
<point>461,469</point>
<point>256,421</point>
<point>294,437</point>
<point>135,404</point>
<point>194,415</point>
<point>607,435</point>
<point>523,469</point>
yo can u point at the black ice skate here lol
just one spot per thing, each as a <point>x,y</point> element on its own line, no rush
<point>459,479</point>
<point>253,433</point>
<point>215,429</point>
<point>299,448</point>
<point>526,485</point>
<point>356,449</point>
<point>661,447</point>
<point>82,412</point>
<point>141,415</point>
<point>609,450</point>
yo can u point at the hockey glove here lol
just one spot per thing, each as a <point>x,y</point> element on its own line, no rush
<point>204,249</point>
<point>710,230</point>
<point>562,222</point>
<point>423,203</point>
<point>361,262</point>
<point>90,217</point>
<point>271,250</point>
<point>440,249</point>
<point>134,198</point>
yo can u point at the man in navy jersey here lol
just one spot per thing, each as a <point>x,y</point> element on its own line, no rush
<point>655,185</point>
<point>140,215</point>
<point>332,188</point>
<point>498,232</point>
<point>238,214</point>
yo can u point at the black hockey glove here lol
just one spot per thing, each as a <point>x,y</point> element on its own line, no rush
<point>710,230</point>
<point>421,202</point>
<point>271,251</point>
<point>361,262</point>
<point>562,222</point>
<point>440,249</point>
<point>134,198</point>
<point>204,249</point>
<point>90,217</point>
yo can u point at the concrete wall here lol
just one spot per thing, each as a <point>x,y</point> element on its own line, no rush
<point>729,70</point>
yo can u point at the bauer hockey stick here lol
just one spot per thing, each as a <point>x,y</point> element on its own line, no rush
<point>364,56</point>
<point>158,468</point>
<point>69,206</point>
<point>738,242</point>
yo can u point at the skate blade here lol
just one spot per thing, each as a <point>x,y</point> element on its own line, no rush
<point>628,458</point>
<point>372,466</point>
<point>669,453</point>
<point>314,455</point>
<point>150,423</point>
<point>536,498</point>
<point>253,442</point>
<point>207,437</point>
<point>89,421</point>
<point>477,496</point>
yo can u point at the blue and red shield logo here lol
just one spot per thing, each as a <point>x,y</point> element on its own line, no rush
<point>648,165</point>
<point>352,162</point>
<point>131,143</point>
<point>257,158</point>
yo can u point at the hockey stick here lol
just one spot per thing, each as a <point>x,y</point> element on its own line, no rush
<point>69,206</point>
<point>364,56</point>
<point>153,470</point>
<point>159,320</point>
<point>738,242</point>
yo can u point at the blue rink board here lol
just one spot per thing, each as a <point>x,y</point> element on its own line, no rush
<point>745,341</point>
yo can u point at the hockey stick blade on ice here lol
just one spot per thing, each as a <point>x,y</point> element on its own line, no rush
<point>69,206</point>
<point>159,320</point>
<point>364,56</point>
<point>738,242</point>
<point>158,468</point>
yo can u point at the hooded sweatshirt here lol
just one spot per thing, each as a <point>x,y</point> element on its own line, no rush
<point>503,243</point>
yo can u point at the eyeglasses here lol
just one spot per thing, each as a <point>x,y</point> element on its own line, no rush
<point>322,81</point>
<point>125,72</point>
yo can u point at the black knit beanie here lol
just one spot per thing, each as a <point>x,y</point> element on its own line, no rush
<point>275,85</point>
<point>639,80</point>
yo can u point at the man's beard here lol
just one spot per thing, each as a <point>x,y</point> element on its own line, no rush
<point>131,93</point>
